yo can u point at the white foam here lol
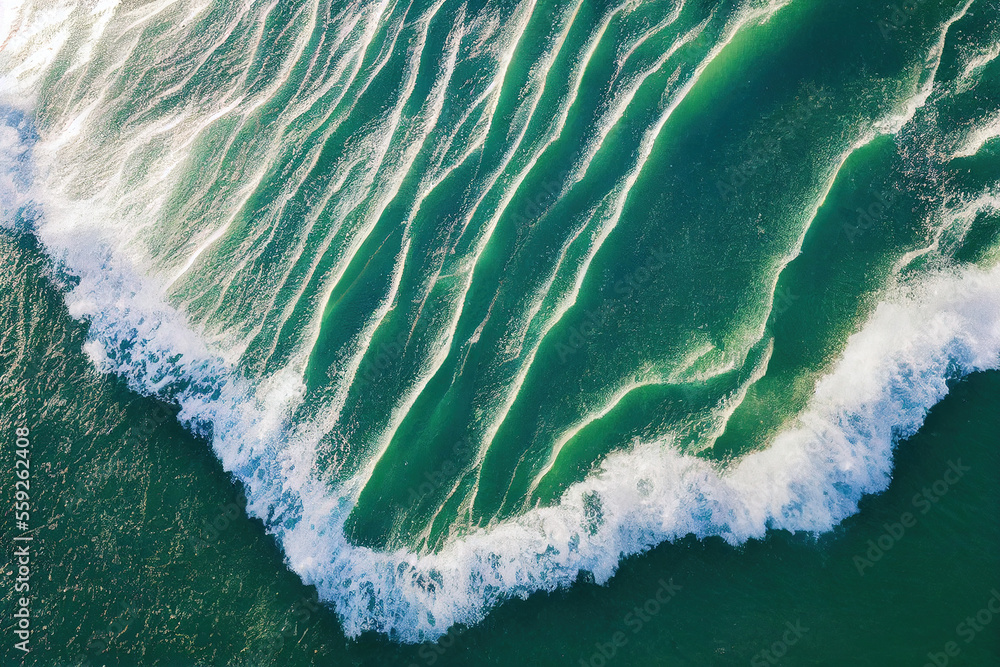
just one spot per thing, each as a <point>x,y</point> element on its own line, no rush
<point>15,167</point>
<point>978,136</point>
<point>893,123</point>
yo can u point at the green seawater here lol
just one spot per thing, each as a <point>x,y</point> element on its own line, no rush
<point>121,487</point>
<point>554,333</point>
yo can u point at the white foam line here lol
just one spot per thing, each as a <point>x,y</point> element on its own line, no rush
<point>207,53</point>
<point>953,215</point>
<point>325,81</point>
<point>552,135</point>
<point>290,188</point>
<point>966,78</point>
<point>437,180</point>
<point>169,126</point>
<point>720,416</point>
<point>566,303</point>
<point>984,133</point>
<point>646,146</point>
<point>320,208</point>
<point>440,350</point>
<point>318,79</point>
<point>201,125</point>
<point>104,10</point>
<point>479,137</point>
<point>511,190</point>
<point>667,21</point>
<point>295,182</point>
<point>248,56</point>
<point>436,103</point>
<point>383,197</point>
<point>328,421</point>
<point>345,205</point>
<point>893,124</point>
<point>571,432</point>
<point>311,339</point>
<point>147,14</point>
<point>501,76</point>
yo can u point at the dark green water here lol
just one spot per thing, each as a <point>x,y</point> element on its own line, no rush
<point>503,333</point>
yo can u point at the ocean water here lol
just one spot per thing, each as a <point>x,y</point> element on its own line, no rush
<point>550,333</point>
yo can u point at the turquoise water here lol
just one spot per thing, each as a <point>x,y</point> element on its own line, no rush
<point>464,333</point>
